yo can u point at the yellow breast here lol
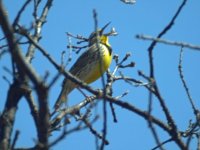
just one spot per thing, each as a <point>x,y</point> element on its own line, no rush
<point>100,66</point>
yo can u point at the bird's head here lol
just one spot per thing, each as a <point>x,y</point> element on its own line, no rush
<point>99,35</point>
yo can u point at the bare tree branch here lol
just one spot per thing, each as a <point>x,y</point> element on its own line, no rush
<point>15,50</point>
<point>39,22</point>
<point>164,41</point>
<point>174,133</point>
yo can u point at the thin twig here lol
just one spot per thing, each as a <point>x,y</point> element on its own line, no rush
<point>53,80</point>
<point>164,142</point>
<point>110,80</point>
<point>16,21</point>
<point>152,128</point>
<point>180,68</point>
<point>15,139</point>
<point>79,37</point>
<point>167,28</point>
<point>66,133</point>
<point>2,47</point>
<point>164,41</point>
<point>119,65</point>
<point>88,124</point>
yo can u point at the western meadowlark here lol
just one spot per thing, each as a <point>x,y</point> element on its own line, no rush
<point>90,65</point>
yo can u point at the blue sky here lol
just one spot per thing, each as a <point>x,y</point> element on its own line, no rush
<point>145,17</point>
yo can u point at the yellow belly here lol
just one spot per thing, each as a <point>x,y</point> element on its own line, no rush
<point>99,68</point>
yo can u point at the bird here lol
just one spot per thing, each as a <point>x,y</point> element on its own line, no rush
<point>90,66</point>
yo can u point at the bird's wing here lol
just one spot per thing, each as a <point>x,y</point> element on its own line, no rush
<point>85,61</point>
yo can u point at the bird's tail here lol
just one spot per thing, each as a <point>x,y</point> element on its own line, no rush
<point>62,98</point>
<point>67,87</point>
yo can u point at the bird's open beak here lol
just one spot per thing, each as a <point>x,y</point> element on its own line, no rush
<point>101,32</point>
<point>111,33</point>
